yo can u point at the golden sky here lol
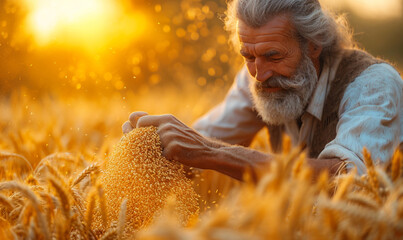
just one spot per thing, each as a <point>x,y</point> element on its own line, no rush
<point>373,9</point>
<point>84,23</point>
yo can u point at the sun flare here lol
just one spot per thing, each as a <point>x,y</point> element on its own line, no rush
<point>91,24</point>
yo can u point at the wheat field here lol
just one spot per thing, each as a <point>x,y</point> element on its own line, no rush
<point>71,73</point>
<point>53,153</point>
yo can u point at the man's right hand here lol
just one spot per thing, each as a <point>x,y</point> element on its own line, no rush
<point>131,124</point>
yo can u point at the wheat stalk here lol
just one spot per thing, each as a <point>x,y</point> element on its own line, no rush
<point>34,200</point>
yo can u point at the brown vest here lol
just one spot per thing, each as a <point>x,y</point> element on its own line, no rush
<point>354,62</point>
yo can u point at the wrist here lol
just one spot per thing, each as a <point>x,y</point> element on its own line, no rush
<point>210,157</point>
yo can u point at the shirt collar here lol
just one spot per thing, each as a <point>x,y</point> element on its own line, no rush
<point>315,106</point>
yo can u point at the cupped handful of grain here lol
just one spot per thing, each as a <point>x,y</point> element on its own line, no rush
<point>137,171</point>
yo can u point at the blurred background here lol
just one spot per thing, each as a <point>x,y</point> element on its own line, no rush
<point>101,47</point>
<point>72,71</point>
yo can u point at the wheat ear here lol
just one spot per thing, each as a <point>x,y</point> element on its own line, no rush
<point>358,212</point>
<point>6,202</point>
<point>396,165</point>
<point>5,155</point>
<point>343,187</point>
<point>12,185</point>
<point>110,234</point>
<point>122,219</point>
<point>373,178</point>
<point>64,199</point>
<point>31,230</point>
<point>102,205</point>
<point>88,170</point>
<point>362,200</point>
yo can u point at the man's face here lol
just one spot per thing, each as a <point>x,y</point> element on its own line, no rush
<point>284,73</point>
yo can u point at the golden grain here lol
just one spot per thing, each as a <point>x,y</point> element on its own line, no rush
<point>136,170</point>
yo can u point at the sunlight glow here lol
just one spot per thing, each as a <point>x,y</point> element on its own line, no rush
<point>372,9</point>
<point>91,24</point>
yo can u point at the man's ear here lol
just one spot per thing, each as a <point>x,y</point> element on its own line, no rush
<point>314,50</point>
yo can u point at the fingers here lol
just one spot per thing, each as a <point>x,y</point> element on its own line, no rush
<point>126,127</point>
<point>134,117</point>
<point>142,119</point>
<point>155,120</point>
<point>131,124</point>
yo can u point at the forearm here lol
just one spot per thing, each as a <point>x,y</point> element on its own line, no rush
<point>236,161</point>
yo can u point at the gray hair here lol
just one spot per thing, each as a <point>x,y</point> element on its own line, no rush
<point>311,21</point>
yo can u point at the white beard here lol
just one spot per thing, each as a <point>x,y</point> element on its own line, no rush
<point>289,103</point>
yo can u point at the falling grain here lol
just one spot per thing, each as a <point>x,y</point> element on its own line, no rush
<point>136,170</point>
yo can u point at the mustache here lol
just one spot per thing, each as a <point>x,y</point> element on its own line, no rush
<point>281,82</point>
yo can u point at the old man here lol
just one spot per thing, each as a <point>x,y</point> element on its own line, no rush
<point>302,77</point>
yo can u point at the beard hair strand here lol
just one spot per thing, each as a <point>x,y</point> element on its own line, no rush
<point>281,107</point>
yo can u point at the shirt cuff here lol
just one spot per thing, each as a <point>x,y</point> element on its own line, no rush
<point>349,157</point>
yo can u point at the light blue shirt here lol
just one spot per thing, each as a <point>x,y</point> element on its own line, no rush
<point>370,115</point>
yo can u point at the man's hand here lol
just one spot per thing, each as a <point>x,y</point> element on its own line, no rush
<point>185,145</point>
<point>128,126</point>
<point>179,142</point>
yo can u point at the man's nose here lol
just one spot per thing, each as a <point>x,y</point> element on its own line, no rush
<point>262,72</point>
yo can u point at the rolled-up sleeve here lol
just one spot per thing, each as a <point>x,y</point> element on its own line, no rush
<point>233,121</point>
<point>369,116</point>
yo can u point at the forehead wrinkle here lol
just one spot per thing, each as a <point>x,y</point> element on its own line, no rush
<point>277,27</point>
<point>262,48</point>
<point>264,39</point>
